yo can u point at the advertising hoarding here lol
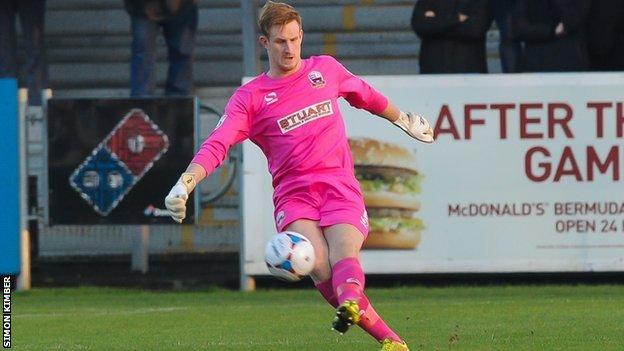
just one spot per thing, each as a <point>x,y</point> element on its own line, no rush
<point>112,161</point>
<point>525,176</point>
<point>10,189</point>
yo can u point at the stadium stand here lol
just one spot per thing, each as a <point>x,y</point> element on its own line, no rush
<point>88,44</point>
<point>88,41</point>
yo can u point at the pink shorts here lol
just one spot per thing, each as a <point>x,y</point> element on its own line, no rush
<point>328,203</point>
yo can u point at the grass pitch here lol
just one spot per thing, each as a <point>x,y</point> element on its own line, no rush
<point>455,318</point>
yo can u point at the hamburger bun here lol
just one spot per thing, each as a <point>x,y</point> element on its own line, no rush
<point>371,152</point>
<point>383,198</point>
<point>397,240</point>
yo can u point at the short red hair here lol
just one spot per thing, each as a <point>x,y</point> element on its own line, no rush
<point>276,13</point>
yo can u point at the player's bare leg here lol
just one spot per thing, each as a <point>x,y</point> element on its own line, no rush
<point>321,274</point>
<point>344,242</point>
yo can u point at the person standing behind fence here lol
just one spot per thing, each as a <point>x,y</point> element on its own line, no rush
<point>554,34</point>
<point>605,37</point>
<point>508,49</point>
<point>31,16</point>
<point>178,21</point>
<point>452,34</point>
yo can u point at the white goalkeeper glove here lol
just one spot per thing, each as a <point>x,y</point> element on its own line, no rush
<point>415,126</point>
<point>176,200</point>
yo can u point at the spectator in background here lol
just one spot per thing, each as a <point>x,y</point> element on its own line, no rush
<point>178,20</point>
<point>31,16</point>
<point>508,49</point>
<point>605,35</point>
<point>452,34</point>
<point>553,32</point>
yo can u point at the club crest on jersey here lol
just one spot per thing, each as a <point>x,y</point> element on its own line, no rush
<point>316,79</point>
<point>305,115</point>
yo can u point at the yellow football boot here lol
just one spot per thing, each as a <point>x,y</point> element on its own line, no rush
<point>347,315</point>
<point>391,345</point>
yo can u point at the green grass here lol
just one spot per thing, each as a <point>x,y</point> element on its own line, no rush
<point>456,318</point>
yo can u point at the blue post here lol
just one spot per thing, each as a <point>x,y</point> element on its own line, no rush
<point>10,184</point>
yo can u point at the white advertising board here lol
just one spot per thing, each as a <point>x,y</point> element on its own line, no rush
<point>526,174</point>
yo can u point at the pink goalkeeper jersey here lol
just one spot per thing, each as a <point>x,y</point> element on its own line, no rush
<point>295,121</point>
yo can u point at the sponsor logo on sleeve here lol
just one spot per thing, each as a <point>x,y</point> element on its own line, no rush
<point>280,218</point>
<point>305,115</point>
<point>221,120</point>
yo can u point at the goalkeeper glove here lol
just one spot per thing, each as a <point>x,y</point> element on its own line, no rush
<point>176,200</point>
<point>415,126</point>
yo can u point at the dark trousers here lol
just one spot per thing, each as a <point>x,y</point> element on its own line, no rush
<point>31,17</point>
<point>508,49</point>
<point>179,32</point>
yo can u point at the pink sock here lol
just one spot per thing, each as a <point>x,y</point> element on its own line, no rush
<point>325,288</point>
<point>348,284</point>
<point>372,323</point>
<point>348,279</point>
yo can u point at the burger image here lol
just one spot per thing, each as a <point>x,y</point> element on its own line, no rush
<point>390,184</point>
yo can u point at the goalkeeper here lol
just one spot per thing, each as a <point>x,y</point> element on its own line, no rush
<point>291,112</point>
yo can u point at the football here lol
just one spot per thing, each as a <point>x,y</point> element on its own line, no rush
<point>289,256</point>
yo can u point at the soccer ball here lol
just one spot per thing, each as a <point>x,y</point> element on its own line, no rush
<point>289,256</point>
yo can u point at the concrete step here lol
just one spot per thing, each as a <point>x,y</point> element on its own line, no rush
<point>116,75</point>
<point>94,49</point>
<point>329,18</point>
<point>211,53</point>
<point>214,73</point>
<point>118,4</point>
<point>116,21</point>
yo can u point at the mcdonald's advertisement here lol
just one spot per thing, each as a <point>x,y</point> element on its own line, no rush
<point>525,175</point>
